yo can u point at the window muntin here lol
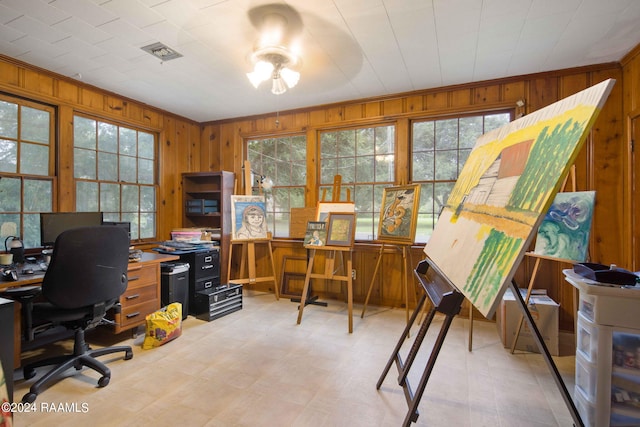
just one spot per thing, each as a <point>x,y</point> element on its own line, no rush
<point>365,160</point>
<point>26,167</point>
<point>439,149</point>
<point>284,161</point>
<point>115,171</point>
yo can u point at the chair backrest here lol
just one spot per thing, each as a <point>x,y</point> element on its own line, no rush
<point>88,266</point>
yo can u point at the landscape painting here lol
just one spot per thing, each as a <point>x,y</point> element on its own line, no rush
<point>503,192</point>
<point>565,229</point>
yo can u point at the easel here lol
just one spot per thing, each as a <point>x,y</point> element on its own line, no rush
<point>536,266</point>
<point>329,272</point>
<point>248,258</point>
<point>446,299</point>
<point>406,253</point>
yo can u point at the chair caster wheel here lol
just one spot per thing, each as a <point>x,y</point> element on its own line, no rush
<point>128,355</point>
<point>103,382</point>
<point>29,373</point>
<point>29,398</point>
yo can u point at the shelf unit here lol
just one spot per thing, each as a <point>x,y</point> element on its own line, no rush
<point>607,377</point>
<point>215,187</point>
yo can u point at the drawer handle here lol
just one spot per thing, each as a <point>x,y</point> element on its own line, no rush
<point>207,267</point>
<point>208,284</point>
<point>208,258</point>
<point>137,267</point>
<point>130,297</point>
<point>134,278</point>
<point>181,278</point>
<point>132,315</point>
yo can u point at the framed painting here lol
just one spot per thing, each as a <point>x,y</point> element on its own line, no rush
<point>316,234</point>
<point>324,208</point>
<point>341,229</point>
<point>564,231</point>
<point>248,218</point>
<point>399,214</point>
<point>504,190</point>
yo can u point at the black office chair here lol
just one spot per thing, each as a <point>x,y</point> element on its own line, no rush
<point>86,276</point>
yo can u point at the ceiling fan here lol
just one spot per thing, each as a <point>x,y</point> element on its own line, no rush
<point>276,54</point>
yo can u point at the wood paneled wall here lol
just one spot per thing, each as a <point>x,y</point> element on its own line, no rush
<point>604,165</point>
<point>600,165</point>
<point>179,139</point>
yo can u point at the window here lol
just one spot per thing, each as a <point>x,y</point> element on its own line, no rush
<point>115,173</point>
<point>365,160</point>
<point>439,149</point>
<point>284,161</point>
<point>26,167</point>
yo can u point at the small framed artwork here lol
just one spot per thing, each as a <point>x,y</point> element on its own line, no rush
<point>399,214</point>
<point>341,229</point>
<point>324,208</point>
<point>316,234</point>
<point>248,218</point>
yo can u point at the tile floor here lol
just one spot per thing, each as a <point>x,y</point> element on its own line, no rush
<point>257,367</point>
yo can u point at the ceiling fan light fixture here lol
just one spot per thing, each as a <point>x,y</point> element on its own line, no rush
<point>273,58</point>
<point>278,87</point>
<point>262,71</point>
<point>290,77</point>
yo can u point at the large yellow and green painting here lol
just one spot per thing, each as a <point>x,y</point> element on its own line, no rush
<point>503,192</point>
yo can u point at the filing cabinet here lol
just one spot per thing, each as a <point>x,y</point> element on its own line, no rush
<point>204,267</point>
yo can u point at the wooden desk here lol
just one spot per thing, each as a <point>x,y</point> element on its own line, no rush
<point>141,297</point>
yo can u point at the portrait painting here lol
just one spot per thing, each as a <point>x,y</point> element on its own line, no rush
<point>316,234</point>
<point>248,218</point>
<point>399,213</point>
<point>565,229</point>
<point>503,192</point>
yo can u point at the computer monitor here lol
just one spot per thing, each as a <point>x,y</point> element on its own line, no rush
<point>54,223</point>
<point>124,224</point>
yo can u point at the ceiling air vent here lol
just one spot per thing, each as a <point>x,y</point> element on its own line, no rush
<point>161,51</point>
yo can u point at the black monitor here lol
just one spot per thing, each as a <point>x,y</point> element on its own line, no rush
<point>54,223</point>
<point>124,224</point>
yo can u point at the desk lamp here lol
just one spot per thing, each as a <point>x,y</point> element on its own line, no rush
<point>16,247</point>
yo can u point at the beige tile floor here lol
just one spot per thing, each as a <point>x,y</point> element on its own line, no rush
<point>257,367</point>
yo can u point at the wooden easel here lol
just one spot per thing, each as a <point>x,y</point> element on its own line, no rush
<point>446,299</point>
<point>248,258</point>
<point>329,272</point>
<point>406,256</point>
<point>536,266</point>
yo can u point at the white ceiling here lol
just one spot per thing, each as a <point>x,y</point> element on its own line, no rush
<point>352,49</point>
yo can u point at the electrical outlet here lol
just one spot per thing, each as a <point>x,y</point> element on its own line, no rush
<point>353,274</point>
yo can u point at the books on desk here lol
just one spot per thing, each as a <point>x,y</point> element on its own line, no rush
<point>173,246</point>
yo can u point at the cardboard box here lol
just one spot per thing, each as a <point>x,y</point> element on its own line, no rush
<point>544,311</point>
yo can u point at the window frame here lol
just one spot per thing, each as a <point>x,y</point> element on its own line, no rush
<point>276,217</point>
<point>375,187</point>
<point>448,181</point>
<point>102,183</point>
<point>29,237</point>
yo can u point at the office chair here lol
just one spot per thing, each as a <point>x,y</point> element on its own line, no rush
<point>86,276</point>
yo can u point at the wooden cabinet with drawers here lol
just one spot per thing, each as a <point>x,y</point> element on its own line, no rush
<point>142,296</point>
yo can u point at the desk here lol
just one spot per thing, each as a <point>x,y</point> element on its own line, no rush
<point>141,297</point>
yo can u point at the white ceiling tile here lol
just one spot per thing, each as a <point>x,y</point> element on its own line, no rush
<point>36,29</point>
<point>81,30</point>
<point>8,34</point>
<point>86,11</point>
<point>351,48</point>
<point>40,10</point>
<point>7,14</point>
<point>133,12</point>
<point>127,33</point>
